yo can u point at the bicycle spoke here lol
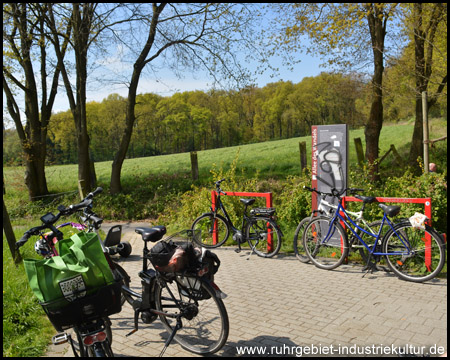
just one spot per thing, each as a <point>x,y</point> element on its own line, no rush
<point>415,254</point>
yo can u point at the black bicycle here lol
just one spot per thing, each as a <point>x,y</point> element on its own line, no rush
<point>187,300</point>
<point>259,228</point>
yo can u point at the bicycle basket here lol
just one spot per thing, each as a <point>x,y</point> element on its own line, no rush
<point>263,211</point>
<point>104,302</point>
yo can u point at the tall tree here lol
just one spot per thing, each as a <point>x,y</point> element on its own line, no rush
<point>79,22</point>
<point>84,23</point>
<point>23,40</point>
<point>187,36</point>
<point>425,20</point>
<point>334,29</point>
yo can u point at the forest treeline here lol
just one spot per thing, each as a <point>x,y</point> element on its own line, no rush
<point>197,120</point>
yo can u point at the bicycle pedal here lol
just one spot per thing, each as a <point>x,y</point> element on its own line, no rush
<point>61,338</point>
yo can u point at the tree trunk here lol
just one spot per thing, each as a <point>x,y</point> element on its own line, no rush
<point>377,26</point>
<point>423,56</point>
<point>34,134</point>
<point>35,172</point>
<point>115,185</point>
<point>81,39</point>
<point>10,237</point>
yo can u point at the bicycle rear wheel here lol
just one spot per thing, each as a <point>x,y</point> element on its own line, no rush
<point>214,230</point>
<point>326,252</point>
<point>259,231</point>
<point>205,323</point>
<point>419,257</point>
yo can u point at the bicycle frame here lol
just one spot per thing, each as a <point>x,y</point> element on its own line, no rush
<point>220,206</point>
<point>238,235</point>
<point>340,209</point>
<point>144,303</point>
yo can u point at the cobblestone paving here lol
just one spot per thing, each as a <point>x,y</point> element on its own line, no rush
<point>287,308</point>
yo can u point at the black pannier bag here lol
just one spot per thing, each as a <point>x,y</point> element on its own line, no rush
<point>161,253</point>
<point>188,262</point>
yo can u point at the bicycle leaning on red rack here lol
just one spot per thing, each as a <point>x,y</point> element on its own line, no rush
<point>413,250</point>
<point>259,228</point>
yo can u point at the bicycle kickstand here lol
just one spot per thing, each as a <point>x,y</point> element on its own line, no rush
<point>251,252</point>
<point>369,266</point>
<point>136,322</point>
<point>177,327</point>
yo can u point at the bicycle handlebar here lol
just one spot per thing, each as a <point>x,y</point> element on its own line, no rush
<point>219,181</point>
<point>50,221</point>
<point>218,189</point>
<point>334,191</point>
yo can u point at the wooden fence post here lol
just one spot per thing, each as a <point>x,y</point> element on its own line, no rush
<point>303,163</point>
<point>194,165</point>
<point>359,151</point>
<point>81,188</point>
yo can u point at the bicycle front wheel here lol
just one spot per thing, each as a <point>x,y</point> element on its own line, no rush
<point>263,236</point>
<point>414,254</point>
<point>214,230</point>
<point>325,243</point>
<point>204,318</point>
<point>299,249</point>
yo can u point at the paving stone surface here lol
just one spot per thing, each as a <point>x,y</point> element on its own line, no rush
<point>281,307</point>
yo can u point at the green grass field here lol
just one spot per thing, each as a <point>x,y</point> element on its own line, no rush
<point>277,159</point>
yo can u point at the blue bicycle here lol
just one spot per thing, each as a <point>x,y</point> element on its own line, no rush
<point>414,251</point>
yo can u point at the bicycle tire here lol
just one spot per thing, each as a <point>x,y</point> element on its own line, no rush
<point>413,267</point>
<point>257,231</point>
<point>102,349</point>
<point>206,330</point>
<point>327,255</point>
<point>205,224</point>
<point>81,350</point>
<point>299,250</point>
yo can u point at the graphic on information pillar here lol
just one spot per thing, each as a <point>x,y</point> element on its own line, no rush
<point>329,158</point>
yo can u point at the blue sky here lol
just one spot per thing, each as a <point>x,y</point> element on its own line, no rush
<point>166,83</point>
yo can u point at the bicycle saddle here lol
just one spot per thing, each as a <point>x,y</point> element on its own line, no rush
<point>247,201</point>
<point>152,234</point>
<point>366,199</point>
<point>391,210</point>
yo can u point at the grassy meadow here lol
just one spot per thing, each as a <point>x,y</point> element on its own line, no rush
<point>272,159</point>
<point>160,190</point>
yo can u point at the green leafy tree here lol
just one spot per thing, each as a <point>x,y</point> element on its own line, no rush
<point>24,41</point>
<point>428,26</point>
<point>345,35</point>
<point>80,24</point>
<point>187,36</point>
